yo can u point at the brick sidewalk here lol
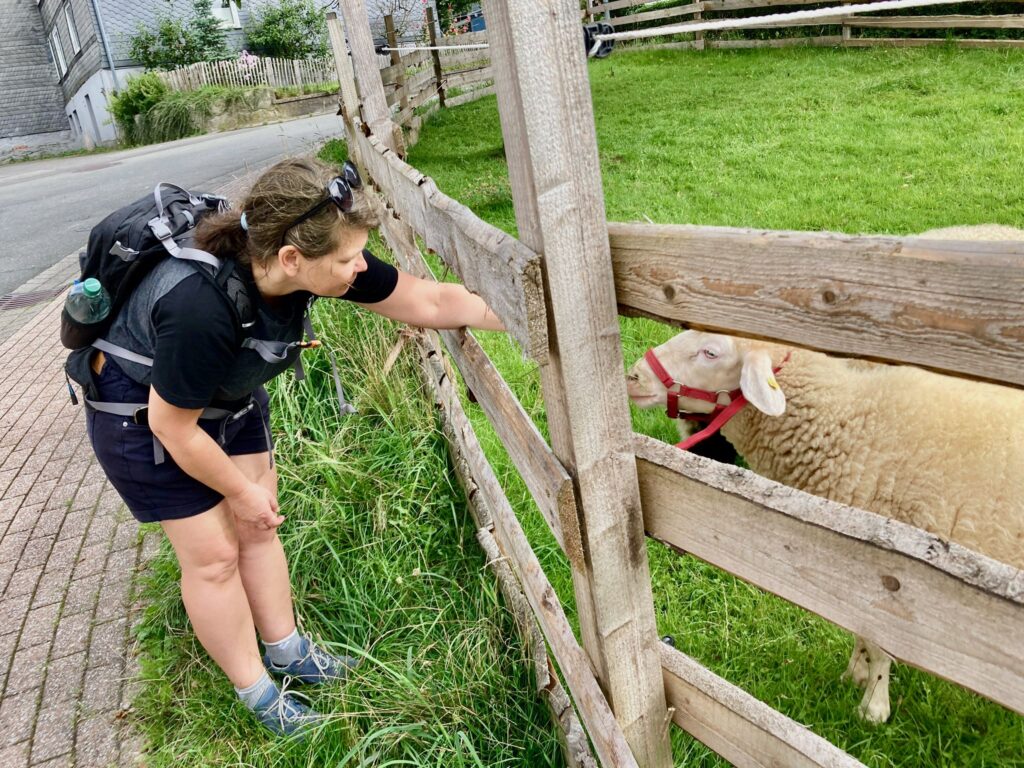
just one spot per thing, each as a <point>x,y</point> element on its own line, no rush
<point>69,553</point>
<point>69,556</point>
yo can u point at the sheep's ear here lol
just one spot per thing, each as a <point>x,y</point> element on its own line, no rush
<point>758,384</point>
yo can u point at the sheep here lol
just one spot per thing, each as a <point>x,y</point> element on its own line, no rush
<point>940,453</point>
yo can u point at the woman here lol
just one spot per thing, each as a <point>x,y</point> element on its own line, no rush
<point>198,459</point>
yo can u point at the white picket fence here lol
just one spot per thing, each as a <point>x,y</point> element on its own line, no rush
<point>251,71</point>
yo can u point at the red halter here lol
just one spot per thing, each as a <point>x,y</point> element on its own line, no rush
<point>717,418</point>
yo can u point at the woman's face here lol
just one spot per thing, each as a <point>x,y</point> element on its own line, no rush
<point>334,273</point>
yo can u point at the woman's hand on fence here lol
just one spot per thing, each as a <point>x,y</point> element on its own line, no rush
<point>255,505</point>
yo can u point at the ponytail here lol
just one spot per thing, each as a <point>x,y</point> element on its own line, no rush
<point>222,235</point>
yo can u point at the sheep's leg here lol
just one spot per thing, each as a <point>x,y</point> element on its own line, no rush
<point>874,707</point>
<point>857,669</point>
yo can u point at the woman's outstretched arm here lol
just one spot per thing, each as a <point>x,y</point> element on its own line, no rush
<point>429,304</point>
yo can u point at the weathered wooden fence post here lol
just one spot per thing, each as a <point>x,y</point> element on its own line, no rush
<point>436,56</point>
<point>396,58</point>
<point>376,113</point>
<point>554,170</point>
<point>346,76</point>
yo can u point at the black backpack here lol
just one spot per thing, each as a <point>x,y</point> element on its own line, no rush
<point>125,246</point>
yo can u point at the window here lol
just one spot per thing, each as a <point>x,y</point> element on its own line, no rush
<point>227,12</point>
<point>72,32</point>
<point>58,53</point>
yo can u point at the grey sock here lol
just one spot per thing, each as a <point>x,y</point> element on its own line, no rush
<point>252,695</point>
<point>284,652</point>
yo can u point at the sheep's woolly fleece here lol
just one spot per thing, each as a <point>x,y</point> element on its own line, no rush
<point>939,453</point>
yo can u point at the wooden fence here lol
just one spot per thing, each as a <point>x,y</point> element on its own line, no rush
<point>250,72</point>
<point>625,15</point>
<point>601,488</point>
<point>419,82</point>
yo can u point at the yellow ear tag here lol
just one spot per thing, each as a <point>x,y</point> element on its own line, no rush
<point>772,382</point>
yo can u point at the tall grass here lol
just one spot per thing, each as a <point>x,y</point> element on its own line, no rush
<point>855,141</point>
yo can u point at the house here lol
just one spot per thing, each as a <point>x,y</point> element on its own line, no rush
<point>60,59</point>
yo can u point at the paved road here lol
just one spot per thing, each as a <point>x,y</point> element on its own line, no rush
<point>47,207</point>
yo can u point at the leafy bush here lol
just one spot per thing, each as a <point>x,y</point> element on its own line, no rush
<point>139,95</point>
<point>147,112</point>
<point>293,29</point>
<point>176,42</point>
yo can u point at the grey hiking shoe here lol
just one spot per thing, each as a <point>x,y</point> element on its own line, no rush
<point>285,715</point>
<point>315,667</point>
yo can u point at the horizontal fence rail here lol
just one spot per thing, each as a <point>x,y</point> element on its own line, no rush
<point>625,14</point>
<point>884,580</point>
<point>956,306</point>
<point>740,728</point>
<point>498,267</point>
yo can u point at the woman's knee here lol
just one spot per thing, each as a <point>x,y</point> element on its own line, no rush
<point>217,563</point>
<point>206,545</point>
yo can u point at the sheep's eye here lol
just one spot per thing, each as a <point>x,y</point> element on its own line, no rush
<point>710,354</point>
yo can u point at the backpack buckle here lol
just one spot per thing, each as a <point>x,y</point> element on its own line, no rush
<point>159,228</point>
<point>140,416</point>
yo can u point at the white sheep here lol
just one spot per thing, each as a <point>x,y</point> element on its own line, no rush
<point>940,453</point>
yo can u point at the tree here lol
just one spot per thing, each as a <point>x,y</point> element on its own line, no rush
<point>176,43</point>
<point>451,10</point>
<point>409,16</point>
<point>292,29</point>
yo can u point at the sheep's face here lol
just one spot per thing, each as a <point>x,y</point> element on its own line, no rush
<point>712,362</point>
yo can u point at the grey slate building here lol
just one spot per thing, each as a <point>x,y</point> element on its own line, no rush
<point>31,101</point>
<point>56,56</point>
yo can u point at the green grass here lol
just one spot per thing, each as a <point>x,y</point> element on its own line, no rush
<point>872,141</point>
<point>855,141</point>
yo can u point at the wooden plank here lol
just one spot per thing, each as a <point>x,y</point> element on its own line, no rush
<point>346,76</point>
<point>412,60</point>
<point>465,59</point>
<point>489,262</point>
<point>467,77</point>
<point>944,304</point>
<point>615,5</point>
<point>375,111</point>
<point>889,582</point>
<point>470,38</point>
<point>664,13</point>
<point>742,5</point>
<point>435,58</point>
<point>779,42</point>
<point>512,97</point>
<point>921,42</point>
<point>1008,21</point>
<point>550,66</point>
<point>476,93</point>
<point>545,477</point>
<point>604,731</point>
<point>742,729</point>
<point>575,746</point>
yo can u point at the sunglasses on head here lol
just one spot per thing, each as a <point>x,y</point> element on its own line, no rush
<point>339,192</point>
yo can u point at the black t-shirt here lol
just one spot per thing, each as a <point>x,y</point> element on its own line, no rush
<point>196,340</point>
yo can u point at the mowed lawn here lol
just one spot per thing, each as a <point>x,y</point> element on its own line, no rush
<point>380,543</point>
<point>855,141</point>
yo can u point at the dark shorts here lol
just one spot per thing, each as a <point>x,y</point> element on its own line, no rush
<point>125,450</point>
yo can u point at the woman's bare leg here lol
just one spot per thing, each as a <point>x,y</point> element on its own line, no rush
<point>261,561</point>
<point>211,588</point>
